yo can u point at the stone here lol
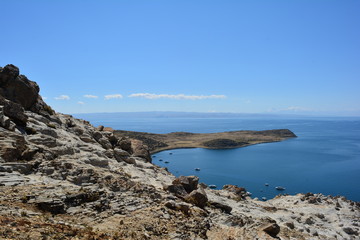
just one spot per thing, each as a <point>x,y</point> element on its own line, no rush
<point>98,162</point>
<point>140,150</point>
<point>290,225</point>
<point>223,207</point>
<point>189,183</point>
<point>54,206</point>
<point>120,154</point>
<point>105,143</point>
<point>177,189</point>
<point>350,231</point>
<point>44,140</point>
<point>130,160</point>
<point>197,197</point>
<point>272,229</point>
<point>14,111</point>
<point>17,88</point>
<point>125,144</point>
<point>12,145</point>
<point>23,168</point>
<point>239,191</point>
<point>178,206</point>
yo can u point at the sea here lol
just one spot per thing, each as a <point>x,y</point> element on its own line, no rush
<point>323,158</point>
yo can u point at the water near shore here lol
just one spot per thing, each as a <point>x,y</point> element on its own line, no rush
<point>324,158</point>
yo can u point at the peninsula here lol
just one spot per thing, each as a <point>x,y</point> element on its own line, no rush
<point>221,140</point>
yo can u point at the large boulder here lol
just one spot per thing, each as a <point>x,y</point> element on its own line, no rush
<point>14,111</point>
<point>197,197</point>
<point>19,89</point>
<point>189,183</point>
<point>138,149</point>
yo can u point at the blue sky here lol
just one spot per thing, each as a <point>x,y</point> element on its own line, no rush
<point>300,56</point>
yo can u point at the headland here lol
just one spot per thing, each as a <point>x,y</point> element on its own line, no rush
<point>221,140</point>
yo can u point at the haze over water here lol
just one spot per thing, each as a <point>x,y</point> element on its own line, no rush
<point>324,158</point>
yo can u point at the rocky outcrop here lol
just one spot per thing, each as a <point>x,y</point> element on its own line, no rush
<point>61,178</point>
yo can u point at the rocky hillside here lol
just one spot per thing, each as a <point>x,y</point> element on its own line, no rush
<point>61,178</point>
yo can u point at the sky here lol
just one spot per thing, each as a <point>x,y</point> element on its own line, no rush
<point>250,56</point>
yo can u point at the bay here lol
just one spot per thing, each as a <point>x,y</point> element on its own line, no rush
<point>324,158</point>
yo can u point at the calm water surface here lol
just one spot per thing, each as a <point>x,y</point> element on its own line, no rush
<point>324,158</point>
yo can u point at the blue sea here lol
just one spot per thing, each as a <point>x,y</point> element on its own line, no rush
<point>324,158</point>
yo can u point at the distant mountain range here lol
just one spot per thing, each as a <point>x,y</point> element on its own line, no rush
<point>170,114</point>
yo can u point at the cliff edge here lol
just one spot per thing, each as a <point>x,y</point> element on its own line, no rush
<point>62,178</point>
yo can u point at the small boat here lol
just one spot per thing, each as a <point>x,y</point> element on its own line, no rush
<point>170,153</point>
<point>266,184</point>
<point>166,162</point>
<point>154,156</point>
<point>264,198</point>
<point>279,188</point>
<point>212,186</point>
<point>248,193</point>
<point>160,160</point>
<point>197,169</point>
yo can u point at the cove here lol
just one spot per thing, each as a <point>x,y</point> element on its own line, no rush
<point>295,164</point>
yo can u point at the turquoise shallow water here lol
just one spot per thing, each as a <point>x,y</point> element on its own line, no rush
<point>324,158</point>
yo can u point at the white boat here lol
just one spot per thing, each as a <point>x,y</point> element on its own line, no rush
<point>279,188</point>
<point>212,186</point>
<point>197,169</point>
<point>248,193</point>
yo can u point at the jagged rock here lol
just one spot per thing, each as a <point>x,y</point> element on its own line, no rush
<point>97,162</point>
<point>24,168</point>
<point>55,206</point>
<point>125,144</point>
<point>14,111</point>
<point>130,160</point>
<point>272,229</point>
<point>121,155</point>
<point>350,231</point>
<point>178,206</point>
<point>80,198</point>
<point>177,189</point>
<point>19,89</point>
<point>12,145</point>
<point>197,197</point>
<point>140,150</point>
<point>105,143</point>
<point>44,140</point>
<point>225,208</point>
<point>238,191</point>
<point>189,183</point>
<point>87,138</point>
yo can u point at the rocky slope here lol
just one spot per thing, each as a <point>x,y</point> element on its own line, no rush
<point>61,178</point>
